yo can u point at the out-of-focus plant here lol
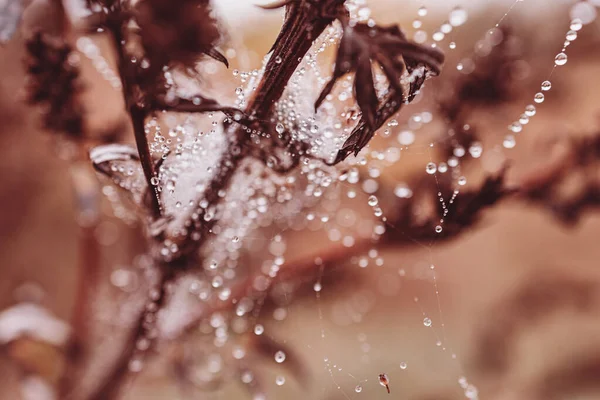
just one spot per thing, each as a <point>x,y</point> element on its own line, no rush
<point>203,174</point>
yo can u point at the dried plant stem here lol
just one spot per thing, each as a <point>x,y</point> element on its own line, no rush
<point>270,89</point>
<point>87,199</point>
<point>137,115</point>
<point>87,285</point>
<point>286,56</point>
<point>111,385</point>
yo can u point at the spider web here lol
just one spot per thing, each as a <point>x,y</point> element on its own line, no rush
<point>350,381</point>
<point>323,346</point>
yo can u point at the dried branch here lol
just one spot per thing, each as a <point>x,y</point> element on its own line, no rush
<point>491,83</point>
<point>569,184</point>
<point>536,299</point>
<point>462,210</point>
<point>86,193</point>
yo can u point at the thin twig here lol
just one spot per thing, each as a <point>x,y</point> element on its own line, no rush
<point>137,115</point>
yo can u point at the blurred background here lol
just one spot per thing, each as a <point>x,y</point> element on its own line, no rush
<point>510,307</point>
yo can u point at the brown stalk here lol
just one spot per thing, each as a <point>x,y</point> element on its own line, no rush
<point>294,40</point>
<point>87,199</point>
<point>136,113</point>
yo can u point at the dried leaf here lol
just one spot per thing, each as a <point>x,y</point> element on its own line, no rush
<point>360,46</point>
<point>463,212</point>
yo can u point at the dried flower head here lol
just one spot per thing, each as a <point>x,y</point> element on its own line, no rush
<point>177,34</point>
<point>360,46</point>
<point>53,83</point>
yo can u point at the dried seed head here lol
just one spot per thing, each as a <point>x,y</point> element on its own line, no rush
<point>177,33</point>
<point>53,74</point>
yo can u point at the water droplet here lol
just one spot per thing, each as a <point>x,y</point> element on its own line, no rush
<point>546,85</point>
<point>458,16</point>
<point>317,287</point>
<point>560,59</point>
<point>571,35</point>
<point>515,127</point>
<point>524,119</point>
<point>471,392</point>
<point>154,181</point>
<point>422,11</point>
<point>475,150</point>
<point>280,128</point>
<point>427,322</point>
<point>462,181</point>
<point>170,185</point>
<point>509,142</point>
<point>530,110</point>
<point>431,168</point>
<point>576,24</point>
<point>278,60</point>
<point>438,36</point>
<point>583,11</point>
<point>358,389</point>
<point>280,380</point>
<point>259,329</point>
<point>403,365</point>
<point>539,98</point>
<point>280,357</point>
<point>438,229</point>
<point>136,365</point>
<point>420,36</point>
<point>406,138</point>
<point>373,201</point>
<point>239,90</point>
<point>452,45</point>
<point>402,191</point>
